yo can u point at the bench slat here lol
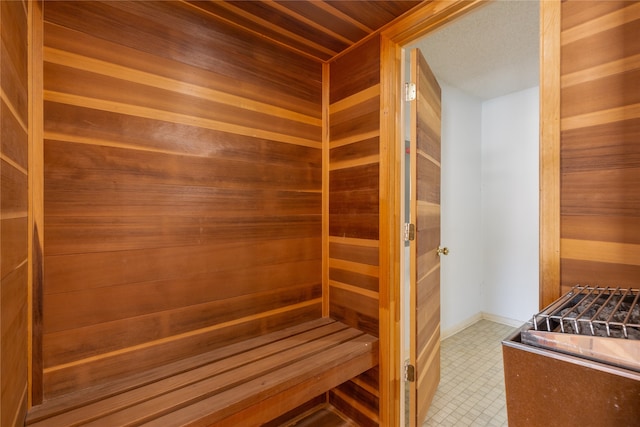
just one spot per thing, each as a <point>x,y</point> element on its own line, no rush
<point>214,385</point>
<point>82,398</point>
<point>283,389</point>
<point>281,368</point>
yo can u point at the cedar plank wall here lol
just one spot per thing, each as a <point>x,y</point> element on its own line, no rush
<point>183,187</point>
<point>354,129</point>
<point>600,148</point>
<point>14,162</point>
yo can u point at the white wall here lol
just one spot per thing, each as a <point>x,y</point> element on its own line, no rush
<point>461,226</point>
<point>510,192</point>
<point>489,209</point>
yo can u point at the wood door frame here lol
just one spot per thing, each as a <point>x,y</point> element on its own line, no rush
<point>419,22</point>
<point>36,202</point>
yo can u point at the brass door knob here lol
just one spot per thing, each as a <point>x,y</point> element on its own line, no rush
<point>443,251</point>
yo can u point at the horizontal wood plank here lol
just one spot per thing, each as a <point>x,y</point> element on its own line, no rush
<point>67,273</point>
<point>358,127</point>
<point>601,48</point>
<point>93,163</point>
<point>429,173</point>
<point>573,13</point>
<point>596,24</point>
<point>13,247</point>
<point>615,91</point>
<point>359,413</point>
<point>13,137</point>
<point>355,308</point>
<point>603,117</point>
<point>144,26</point>
<point>13,191</point>
<point>355,242</point>
<point>299,412</point>
<point>113,91</point>
<point>601,192</point>
<point>13,61</point>
<point>361,254</point>
<point>353,278</point>
<point>99,127</point>
<point>357,267</point>
<point>590,273</point>
<point>354,289</point>
<point>133,199</point>
<point>607,252</point>
<point>601,147</point>
<point>622,229</point>
<point>428,312</point>
<point>80,63</point>
<point>100,335</point>
<point>367,148</point>
<point>71,235</point>
<point>355,225</point>
<point>360,395</point>
<point>355,72</point>
<point>97,48</point>
<point>608,69</point>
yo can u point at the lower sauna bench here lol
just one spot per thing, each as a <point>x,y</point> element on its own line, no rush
<point>244,384</point>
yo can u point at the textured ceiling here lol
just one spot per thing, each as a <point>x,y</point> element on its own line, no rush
<point>491,52</point>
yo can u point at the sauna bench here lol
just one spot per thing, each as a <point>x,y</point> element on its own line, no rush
<point>246,383</point>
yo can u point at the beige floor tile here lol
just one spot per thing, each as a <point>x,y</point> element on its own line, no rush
<point>471,390</point>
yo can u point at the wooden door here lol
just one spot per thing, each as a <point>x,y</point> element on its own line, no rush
<point>424,260</point>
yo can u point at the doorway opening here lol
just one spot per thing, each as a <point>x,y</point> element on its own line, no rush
<point>490,169</point>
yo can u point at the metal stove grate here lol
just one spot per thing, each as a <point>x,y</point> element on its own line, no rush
<point>595,311</point>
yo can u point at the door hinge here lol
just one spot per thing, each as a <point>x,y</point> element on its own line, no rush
<point>409,372</point>
<point>409,91</point>
<point>409,232</point>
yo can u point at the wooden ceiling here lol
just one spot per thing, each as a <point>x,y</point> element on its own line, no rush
<point>317,28</point>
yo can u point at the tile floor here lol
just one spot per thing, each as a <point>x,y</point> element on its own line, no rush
<point>471,390</point>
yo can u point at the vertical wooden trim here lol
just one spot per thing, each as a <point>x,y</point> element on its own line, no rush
<point>412,111</point>
<point>326,139</point>
<point>36,202</point>
<point>549,151</point>
<point>390,224</point>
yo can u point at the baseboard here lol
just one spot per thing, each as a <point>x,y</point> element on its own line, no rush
<point>446,333</point>
<point>503,320</point>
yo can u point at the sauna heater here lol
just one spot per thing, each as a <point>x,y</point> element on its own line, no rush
<point>577,362</point>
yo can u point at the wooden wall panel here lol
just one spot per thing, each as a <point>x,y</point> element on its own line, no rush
<point>14,194</point>
<point>600,154</point>
<point>354,199</point>
<point>183,187</point>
